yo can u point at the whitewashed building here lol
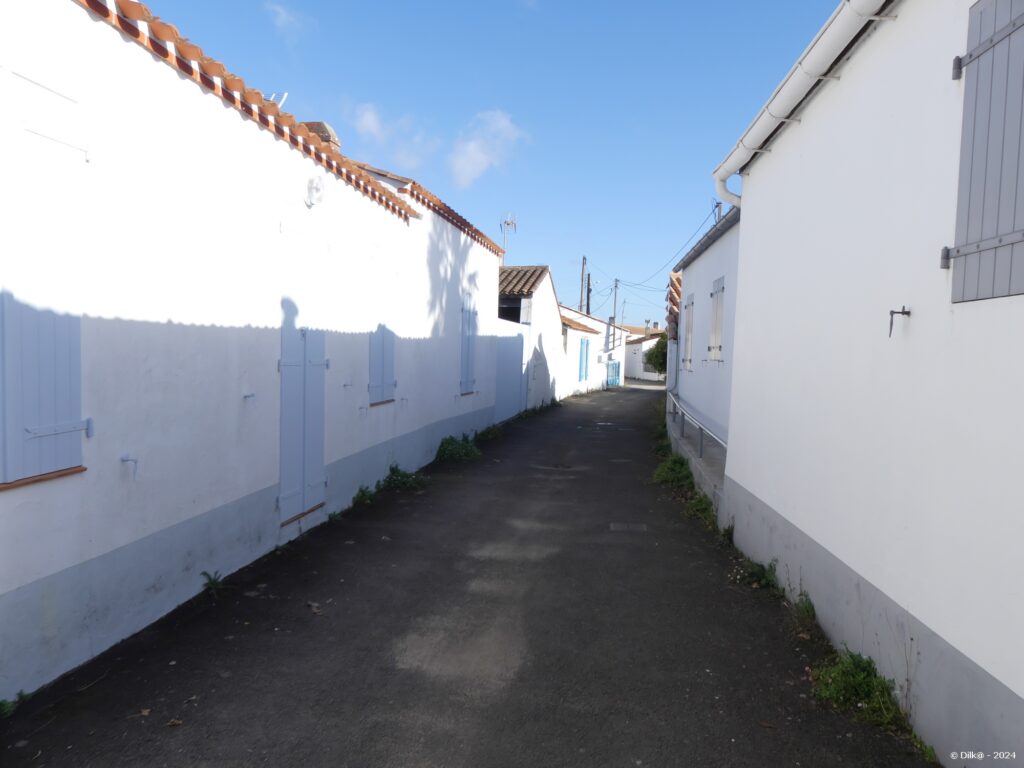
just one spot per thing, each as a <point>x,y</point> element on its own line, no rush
<point>526,296</point>
<point>875,420</point>
<point>215,327</point>
<point>594,353</point>
<point>636,360</point>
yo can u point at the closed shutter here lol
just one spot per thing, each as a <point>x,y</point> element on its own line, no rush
<point>40,391</point>
<point>715,341</point>
<point>382,365</point>
<point>583,358</point>
<point>988,252</point>
<point>688,336</point>
<point>467,382</point>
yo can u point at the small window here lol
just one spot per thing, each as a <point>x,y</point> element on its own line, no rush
<point>40,392</point>
<point>382,366</point>
<point>688,334</point>
<point>467,382</point>
<point>715,342</point>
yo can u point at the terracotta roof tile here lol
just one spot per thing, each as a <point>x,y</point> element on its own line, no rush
<point>520,281</point>
<point>578,326</point>
<point>646,338</point>
<point>163,40</point>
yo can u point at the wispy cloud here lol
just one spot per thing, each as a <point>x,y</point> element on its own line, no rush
<point>285,20</point>
<point>486,143</point>
<point>402,140</point>
<point>369,124</point>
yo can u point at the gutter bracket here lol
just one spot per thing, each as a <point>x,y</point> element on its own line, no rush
<point>958,67</point>
<point>944,259</point>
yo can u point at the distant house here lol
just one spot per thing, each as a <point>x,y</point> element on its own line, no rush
<point>702,357</point>
<point>875,419</point>
<point>215,327</point>
<point>636,361</point>
<point>594,353</point>
<point>526,295</point>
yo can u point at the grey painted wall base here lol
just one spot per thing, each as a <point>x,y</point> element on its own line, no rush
<point>953,702</point>
<point>709,470</point>
<point>58,622</point>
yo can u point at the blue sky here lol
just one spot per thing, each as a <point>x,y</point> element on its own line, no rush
<point>597,124</point>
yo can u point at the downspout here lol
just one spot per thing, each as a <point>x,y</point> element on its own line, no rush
<point>839,31</point>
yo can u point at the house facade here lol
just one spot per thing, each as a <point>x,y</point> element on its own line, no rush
<point>593,353</point>
<point>216,328</point>
<point>526,296</point>
<point>636,365</point>
<point>874,426</point>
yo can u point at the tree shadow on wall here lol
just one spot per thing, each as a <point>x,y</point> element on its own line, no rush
<point>450,276</point>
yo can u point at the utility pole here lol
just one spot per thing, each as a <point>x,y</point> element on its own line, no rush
<point>615,308</point>
<point>588,293</point>
<point>583,278</point>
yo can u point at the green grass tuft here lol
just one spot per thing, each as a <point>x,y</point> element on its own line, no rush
<point>702,508</point>
<point>213,583</point>
<point>849,681</point>
<point>457,449</point>
<point>363,497</point>
<point>400,480</point>
<point>803,612</point>
<point>6,708</point>
<point>675,473</point>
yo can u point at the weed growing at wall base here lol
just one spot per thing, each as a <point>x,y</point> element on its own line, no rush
<point>363,497</point>
<point>400,480</point>
<point>675,473</point>
<point>849,681</point>
<point>213,583</point>
<point>457,449</point>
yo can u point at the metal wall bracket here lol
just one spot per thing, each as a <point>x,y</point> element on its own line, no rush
<point>944,259</point>
<point>60,429</point>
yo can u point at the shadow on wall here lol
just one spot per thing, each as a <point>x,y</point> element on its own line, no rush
<point>541,385</point>
<point>189,444</point>
<point>450,277</point>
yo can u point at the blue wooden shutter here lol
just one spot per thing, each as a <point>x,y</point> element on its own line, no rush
<point>466,380</point>
<point>382,365</point>
<point>988,252</point>
<point>40,391</point>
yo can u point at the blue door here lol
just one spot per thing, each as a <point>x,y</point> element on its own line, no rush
<point>614,378</point>
<point>303,477</point>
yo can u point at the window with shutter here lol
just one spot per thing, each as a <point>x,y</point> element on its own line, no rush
<point>688,334</point>
<point>715,340</point>
<point>40,392</point>
<point>382,366</point>
<point>584,359</point>
<point>467,382</point>
<point>987,256</point>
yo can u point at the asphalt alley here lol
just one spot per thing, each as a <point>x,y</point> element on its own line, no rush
<point>546,605</point>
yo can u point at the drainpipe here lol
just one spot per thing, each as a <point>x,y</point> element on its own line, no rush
<point>843,26</point>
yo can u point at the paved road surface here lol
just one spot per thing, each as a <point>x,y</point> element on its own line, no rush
<point>545,606</point>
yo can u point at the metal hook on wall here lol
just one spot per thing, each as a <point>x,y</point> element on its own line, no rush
<point>892,316</point>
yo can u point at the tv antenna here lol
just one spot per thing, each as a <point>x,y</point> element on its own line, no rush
<point>509,223</point>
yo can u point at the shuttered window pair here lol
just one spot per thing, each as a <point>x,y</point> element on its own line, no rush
<point>987,256</point>
<point>41,422</point>
<point>717,316</point>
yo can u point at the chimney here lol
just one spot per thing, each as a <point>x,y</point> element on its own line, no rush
<point>324,132</point>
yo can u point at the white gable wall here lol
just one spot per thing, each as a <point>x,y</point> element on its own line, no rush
<point>895,459</point>
<point>177,234</point>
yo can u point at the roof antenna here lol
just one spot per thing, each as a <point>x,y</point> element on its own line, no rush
<point>716,206</point>
<point>508,223</point>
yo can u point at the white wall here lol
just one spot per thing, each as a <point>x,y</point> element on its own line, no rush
<point>544,351</point>
<point>608,344</point>
<point>635,361</point>
<point>176,234</point>
<point>900,455</point>
<point>707,387</point>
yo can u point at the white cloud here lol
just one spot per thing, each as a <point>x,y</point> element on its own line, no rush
<point>369,124</point>
<point>401,140</point>
<point>486,143</point>
<point>285,20</point>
